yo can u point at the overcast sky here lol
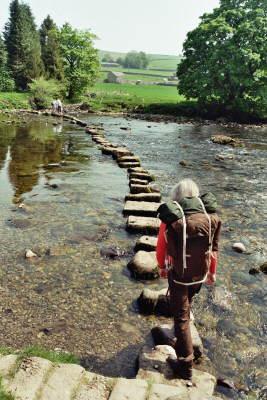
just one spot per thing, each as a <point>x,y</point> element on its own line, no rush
<point>153,26</point>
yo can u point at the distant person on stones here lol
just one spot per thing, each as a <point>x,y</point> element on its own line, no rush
<point>59,106</point>
<point>186,252</point>
<point>53,104</point>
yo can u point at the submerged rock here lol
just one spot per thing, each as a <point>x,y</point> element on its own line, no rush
<point>263,268</point>
<point>30,254</point>
<point>112,252</point>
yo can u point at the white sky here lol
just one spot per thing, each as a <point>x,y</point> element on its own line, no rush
<point>153,26</point>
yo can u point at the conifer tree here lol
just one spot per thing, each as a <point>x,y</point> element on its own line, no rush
<point>51,52</point>
<point>22,44</point>
<point>2,53</point>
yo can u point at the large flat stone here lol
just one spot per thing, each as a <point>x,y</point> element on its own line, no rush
<point>128,164</point>
<point>138,170</point>
<point>143,224</point>
<point>167,392</point>
<point>144,265</point>
<point>140,175</point>
<point>7,363</point>
<point>137,182</point>
<point>128,159</point>
<point>134,189</point>
<point>154,197</point>
<point>129,389</point>
<point>153,367</point>
<point>146,243</point>
<point>62,381</point>
<point>94,387</point>
<point>29,378</point>
<point>141,208</point>
<point>121,152</point>
<point>154,302</point>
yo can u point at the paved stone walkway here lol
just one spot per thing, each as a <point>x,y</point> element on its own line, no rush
<point>40,379</point>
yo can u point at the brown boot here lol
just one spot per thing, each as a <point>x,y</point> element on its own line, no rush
<point>182,368</point>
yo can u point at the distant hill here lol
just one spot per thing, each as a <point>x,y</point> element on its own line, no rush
<point>157,61</point>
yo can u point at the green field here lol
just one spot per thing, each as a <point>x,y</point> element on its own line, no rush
<point>14,100</point>
<point>150,93</point>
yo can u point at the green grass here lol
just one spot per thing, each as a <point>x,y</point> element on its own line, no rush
<point>150,93</point>
<point>5,394</point>
<point>14,100</point>
<point>53,356</point>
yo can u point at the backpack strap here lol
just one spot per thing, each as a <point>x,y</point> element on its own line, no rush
<point>184,236</point>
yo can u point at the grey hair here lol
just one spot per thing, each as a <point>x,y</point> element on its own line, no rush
<point>186,187</point>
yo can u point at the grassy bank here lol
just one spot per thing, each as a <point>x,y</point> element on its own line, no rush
<point>14,100</point>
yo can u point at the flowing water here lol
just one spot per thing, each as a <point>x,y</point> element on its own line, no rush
<point>73,298</point>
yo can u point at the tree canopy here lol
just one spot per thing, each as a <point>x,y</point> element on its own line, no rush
<point>225,63</point>
<point>82,65</point>
<point>136,60</point>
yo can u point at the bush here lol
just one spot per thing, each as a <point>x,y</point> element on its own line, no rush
<point>7,83</point>
<point>45,91</point>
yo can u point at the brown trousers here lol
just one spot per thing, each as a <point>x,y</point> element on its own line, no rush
<point>181,299</point>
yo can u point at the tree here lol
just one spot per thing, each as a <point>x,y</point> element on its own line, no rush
<point>45,91</point>
<point>22,44</point>
<point>120,61</point>
<point>2,53</point>
<point>136,60</point>
<point>82,65</point>
<point>51,52</point>
<point>225,64</point>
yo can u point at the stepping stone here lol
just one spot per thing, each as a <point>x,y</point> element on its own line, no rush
<point>114,145</point>
<point>154,197</point>
<point>164,334</point>
<point>144,265</point>
<point>134,189</point>
<point>141,208</point>
<point>140,170</point>
<point>29,378</point>
<point>100,140</point>
<point>128,159</point>
<point>121,152</point>
<point>154,302</point>
<point>153,367</point>
<point>146,243</point>
<point>82,123</point>
<point>143,224</point>
<point>138,182</point>
<point>129,389</point>
<point>62,381</point>
<point>139,175</point>
<point>91,131</point>
<point>128,164</point>
<point>7,363</point>
<point>94,387</point>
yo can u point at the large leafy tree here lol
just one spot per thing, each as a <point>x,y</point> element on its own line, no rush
<point>22,44</point>
<point>136,60</point>
<point>51,52</point>
<point>82,65</point>
<point>225,63</point>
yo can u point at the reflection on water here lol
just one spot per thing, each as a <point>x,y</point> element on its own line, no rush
<point>73,198</point>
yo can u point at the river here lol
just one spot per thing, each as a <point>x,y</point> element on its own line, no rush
<point>71,297</point>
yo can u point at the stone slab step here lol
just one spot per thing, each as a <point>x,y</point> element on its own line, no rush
<point>154,197</point>
<point>141,208</point>
<point>129,389</point>
<point>128,164</point>
<point>7,363</point>
<point>141,175</point>
<point>28,380</point>
<point>146,243</point>
<point>91,130</point>
<point>94,387</point>
<point>137,182</point>
<point>62,382</point>
<point>154,367</point>
<point>138,170</point>
<point>144,265</point>
<point>143,224</point>
<point>128,159</point>
<point>134,189</point>
<point>116,153</point>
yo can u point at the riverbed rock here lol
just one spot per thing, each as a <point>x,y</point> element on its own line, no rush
<point>263,267</point>
<point>128,159</point>
<point>184,163</point>
<point>143,224</point>
<point>134,189</point>
<point>146,243</point>
<point>154,197</point>
<point>154,367</point>
<point>223,139</point>
<point>138,170</point>
<point>239,247</point>
<point>112,252</point>
<point>129,164</point>
<point>141,208</point>
<point>144,265</point>
<point>30,254</point>
<point>154,302</point>
<point>164,335</point>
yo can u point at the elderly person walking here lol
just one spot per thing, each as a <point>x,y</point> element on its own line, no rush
<point>186,252</point>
